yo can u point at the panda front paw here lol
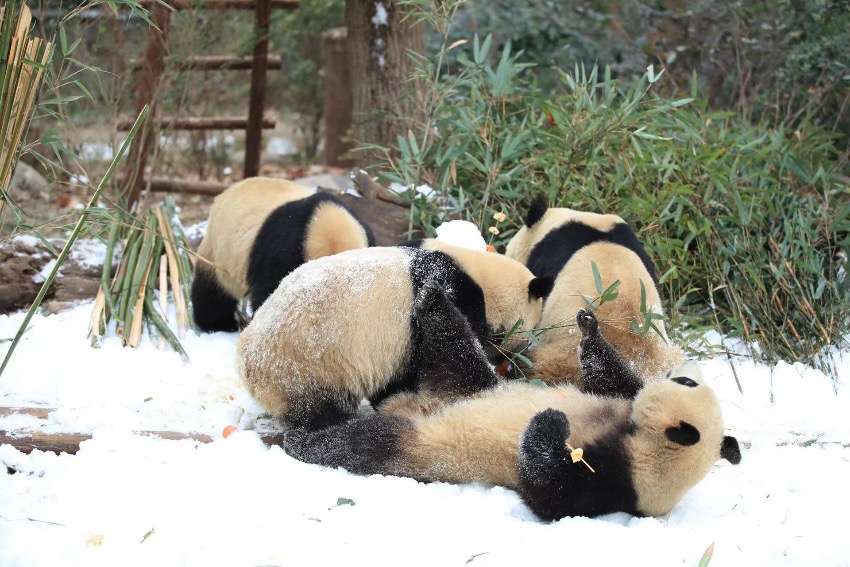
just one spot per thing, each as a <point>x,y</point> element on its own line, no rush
<point>542,465</point>
<point>542,447</point>
<point>547,429</point>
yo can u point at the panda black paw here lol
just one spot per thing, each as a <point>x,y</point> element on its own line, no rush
<point>293,442</point>
<point>587,322</point>
<point>542,446</point>
<point>548,428</point>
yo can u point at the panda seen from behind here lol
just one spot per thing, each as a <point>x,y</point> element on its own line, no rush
<point>646,451</point>
<point>566,243</point>
<point>259,230</point>
<point>342,328</point>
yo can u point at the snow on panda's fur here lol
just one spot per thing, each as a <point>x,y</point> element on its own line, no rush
<point>341,328</point>
<point>646,452</point>
<point>564,242</point>
<point>259,230</point>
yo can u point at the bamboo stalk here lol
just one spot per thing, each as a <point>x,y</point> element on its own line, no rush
<point>171,254</point>
<point>20,78</point>
<point>140,282</point>
<point>163,294</point>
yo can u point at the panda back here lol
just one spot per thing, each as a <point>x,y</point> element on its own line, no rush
<point>236,217</point>
<point>342,321</point>
<point>551,254</point>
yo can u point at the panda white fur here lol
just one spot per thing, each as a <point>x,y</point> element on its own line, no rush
<point>646,452</point>
<point>564,242</point>
<point>259,230</point>
<point>342,328</point>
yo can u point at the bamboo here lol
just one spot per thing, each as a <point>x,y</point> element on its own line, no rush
<point>71,239</point>
<point>164,330</point>
<point>20,78</point>
<point>171,254</point>
<point>140,283</point>
<point>163,294</point>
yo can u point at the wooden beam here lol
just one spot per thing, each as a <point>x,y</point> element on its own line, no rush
<point>27,440</point>
<point>200,123</point>
<point>168,185</point>
<point>224,4</point>
<point>39,412</point>
<point>257,97</point>
<point>213,63</point>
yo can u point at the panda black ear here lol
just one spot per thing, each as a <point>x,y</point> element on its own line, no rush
<point>540,288</point>
<point>536,211</point>
<point>686,434</point>
<point>730,450</point>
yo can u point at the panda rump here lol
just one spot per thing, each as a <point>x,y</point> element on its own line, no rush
<point>259,230</point>
<point>341,328</point>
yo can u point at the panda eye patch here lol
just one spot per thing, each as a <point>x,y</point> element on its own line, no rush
<point>685,381</point>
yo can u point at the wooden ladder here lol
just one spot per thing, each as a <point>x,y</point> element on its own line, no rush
<point>152,66</point>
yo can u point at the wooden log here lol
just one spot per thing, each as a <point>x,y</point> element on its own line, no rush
<point>213,63</point>
<point>386,213</point>
<point>167,185</point>
<point>337,112</point>
<point>257,97</point>
<point>201,123</point>
<point>39,412</point>
<point>27,440</point>
<point>224,4</point>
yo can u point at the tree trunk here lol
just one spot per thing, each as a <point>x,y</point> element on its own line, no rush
<point>385,104</point>
<point>337,111</point>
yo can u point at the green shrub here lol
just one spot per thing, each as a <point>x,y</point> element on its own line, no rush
<point>746,223</point>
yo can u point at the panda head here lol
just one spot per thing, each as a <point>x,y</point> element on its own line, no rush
<point>677,436</point>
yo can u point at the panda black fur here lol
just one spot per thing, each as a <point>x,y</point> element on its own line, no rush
<point>259,230</point>
<point>563,242</point>
<point>646,452</point>
<point>342,328</point>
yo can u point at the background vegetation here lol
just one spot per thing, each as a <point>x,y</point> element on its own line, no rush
<point>745,212</point>
<point>719,130</point>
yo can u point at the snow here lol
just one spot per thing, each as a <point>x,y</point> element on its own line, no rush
<point>461,233</point>
<point>381,17</point>
<point>237,502</point>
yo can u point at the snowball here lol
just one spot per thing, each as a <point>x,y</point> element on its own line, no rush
<point>461,233</point>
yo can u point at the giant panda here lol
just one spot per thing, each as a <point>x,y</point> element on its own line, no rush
<point>565,242</point>
<point>342,328</point>
<point>645,452</point>
<point>259,230</point>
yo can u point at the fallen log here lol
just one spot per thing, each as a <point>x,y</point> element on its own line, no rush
<point>26,440</point>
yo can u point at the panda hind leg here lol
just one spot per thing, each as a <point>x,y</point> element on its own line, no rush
<point>368,445</point>
<point>452,361</point>
<point>603,371</point>
<point>212,307</point>
<point>319,409</point>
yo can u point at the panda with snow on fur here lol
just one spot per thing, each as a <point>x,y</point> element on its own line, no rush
<point>641,453</point>
<point>342,328</point>
<point>259,230</point>
<point>565,243</point>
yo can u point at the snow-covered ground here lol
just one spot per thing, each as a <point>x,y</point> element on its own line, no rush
<point>125,499</point>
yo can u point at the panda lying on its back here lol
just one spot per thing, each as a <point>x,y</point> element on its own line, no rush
<point>646,452</point>
<point>565,243</point>
<point>259,230</point>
